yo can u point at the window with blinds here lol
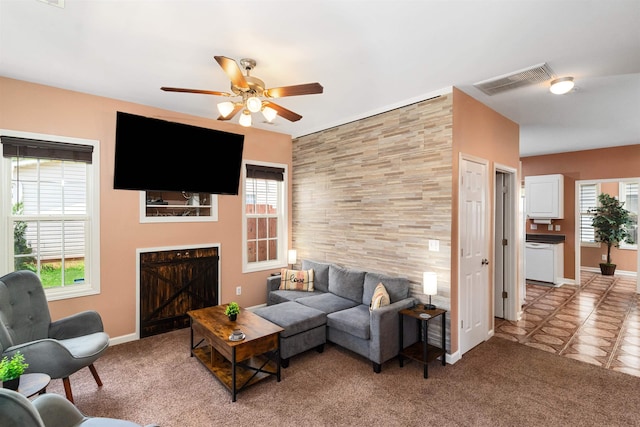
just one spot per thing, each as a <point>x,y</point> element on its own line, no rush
<point>629,195</point>
<point>53,211</point>
<point>265,241</point>
<point>588,200</point>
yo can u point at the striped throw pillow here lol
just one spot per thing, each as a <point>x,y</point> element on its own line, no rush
<point>380,297</point>
<point>296,280</point>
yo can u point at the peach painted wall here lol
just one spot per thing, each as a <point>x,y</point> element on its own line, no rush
<point>605,164</point>
<point>47,110</point>
<point>480,132</point>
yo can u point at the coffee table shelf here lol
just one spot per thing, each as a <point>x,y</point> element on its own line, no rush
<point>221,368</point>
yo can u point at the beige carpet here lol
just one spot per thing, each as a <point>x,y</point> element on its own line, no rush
<point>499,383</point>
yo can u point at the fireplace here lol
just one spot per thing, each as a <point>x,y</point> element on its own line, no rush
<point>173,281</point>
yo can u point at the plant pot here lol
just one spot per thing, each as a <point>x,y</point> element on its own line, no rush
<point>11,384</point>
<point>607,269</point>
<point>233,317</point>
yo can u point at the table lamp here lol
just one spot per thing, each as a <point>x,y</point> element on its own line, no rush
<point>292,257</point>
<point>430,287</point>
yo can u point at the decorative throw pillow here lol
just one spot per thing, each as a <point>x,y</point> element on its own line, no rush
<point>296,280</point>
<point>380,297</point>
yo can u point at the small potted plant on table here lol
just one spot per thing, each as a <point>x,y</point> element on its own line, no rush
<point>232,310</point>
<point>11,370</point>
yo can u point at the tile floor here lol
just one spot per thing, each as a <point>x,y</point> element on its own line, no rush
<point>597,322</point>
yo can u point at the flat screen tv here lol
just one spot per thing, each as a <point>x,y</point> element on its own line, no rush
<point>159,155</point>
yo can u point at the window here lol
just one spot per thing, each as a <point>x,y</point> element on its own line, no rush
<point>50,204</point>
<point>629,195</point>
<point>588,194</point>
<point>265,233</point>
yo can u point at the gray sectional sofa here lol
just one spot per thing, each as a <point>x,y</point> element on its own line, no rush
<point>344,296</point>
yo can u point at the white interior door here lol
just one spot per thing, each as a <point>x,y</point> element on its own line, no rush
<point>500,249</point>
<point>474,307</point>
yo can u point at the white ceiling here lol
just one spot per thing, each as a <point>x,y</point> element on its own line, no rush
<point>370,56</point>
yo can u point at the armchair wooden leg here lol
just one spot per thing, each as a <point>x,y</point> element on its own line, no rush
<point>67,389</point>
<point>95,375</point>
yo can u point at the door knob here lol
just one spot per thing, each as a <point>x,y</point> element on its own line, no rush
<point>485,261</point>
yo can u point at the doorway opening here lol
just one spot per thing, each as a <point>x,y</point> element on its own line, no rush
<point>506,290</point>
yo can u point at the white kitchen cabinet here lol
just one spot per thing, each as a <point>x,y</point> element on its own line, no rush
<point>544,195</point>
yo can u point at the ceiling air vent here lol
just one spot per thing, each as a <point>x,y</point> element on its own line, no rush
<point>58,3</point>
<point>536,74</point>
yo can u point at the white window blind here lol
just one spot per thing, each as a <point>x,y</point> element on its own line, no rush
<point>588,200</point>
<point>629,195</point>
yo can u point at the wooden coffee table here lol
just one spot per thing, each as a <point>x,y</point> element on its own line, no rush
<point>236,364</point>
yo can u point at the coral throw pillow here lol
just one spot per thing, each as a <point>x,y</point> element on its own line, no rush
<point>380,297</point>
<point>296,280</point>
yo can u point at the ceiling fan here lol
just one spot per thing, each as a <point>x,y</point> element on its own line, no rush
<point>254,96</point>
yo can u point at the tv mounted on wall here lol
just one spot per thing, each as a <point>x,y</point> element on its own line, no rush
<point>159,155</point>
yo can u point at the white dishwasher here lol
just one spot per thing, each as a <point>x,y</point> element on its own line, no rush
<point>544,262</point>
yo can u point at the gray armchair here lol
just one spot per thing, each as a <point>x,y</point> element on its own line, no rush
<point>49,410</point>
<point>57,348</point>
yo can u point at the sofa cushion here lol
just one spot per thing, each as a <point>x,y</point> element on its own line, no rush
<point>354,321</point>
<point>320,274</point>
<point>327,302</point>
<point>277,297</point>
<point>397,287</point>
<point>347,283</point>
<point>296,280</point>
<point>293,317</point>
<point>380,297</point>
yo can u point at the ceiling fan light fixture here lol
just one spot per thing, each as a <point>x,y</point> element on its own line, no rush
<point>269,114</point>
<point>225,108</point>
<point>254,104</point>
<point>562,85</point>
<point>245,118</point>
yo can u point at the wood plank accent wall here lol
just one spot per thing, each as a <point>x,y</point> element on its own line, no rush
<point>371,194</point>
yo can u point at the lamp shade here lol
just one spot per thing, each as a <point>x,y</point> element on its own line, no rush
<point>225,108</point>
<point>245,119</point>
<point>292,256</point>
<point>254,104</point>
<point>269,113</point>
<point>430,283</point>
<point>561,86</point>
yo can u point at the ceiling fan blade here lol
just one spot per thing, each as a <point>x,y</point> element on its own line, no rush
<point>233,112</point>
<point>233,71</point>
<point>283,112</point>
<point>303,89</point>
<point>206,92</point>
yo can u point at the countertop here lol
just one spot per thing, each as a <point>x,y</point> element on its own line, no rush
<point>546,238</point>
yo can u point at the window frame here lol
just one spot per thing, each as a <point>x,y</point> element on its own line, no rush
<point>622,197</point>
<point>282,222</point>
<point>91,285</point>
<point>582,242</point>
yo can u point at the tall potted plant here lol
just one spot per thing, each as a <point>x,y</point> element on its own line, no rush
<point>610,222</point>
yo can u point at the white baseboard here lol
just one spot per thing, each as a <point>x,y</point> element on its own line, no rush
<point>123,339</point>
<point>618,272</point>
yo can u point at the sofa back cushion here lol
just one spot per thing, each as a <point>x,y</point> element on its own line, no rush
<point>397,287</point>
<point>320,274</point>
<point>347,283</point>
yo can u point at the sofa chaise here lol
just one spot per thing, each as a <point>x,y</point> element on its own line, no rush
<point>344,296</point>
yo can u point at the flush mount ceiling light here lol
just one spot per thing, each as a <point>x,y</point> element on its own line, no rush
<point>561,86</point>
<point>254,97</point>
